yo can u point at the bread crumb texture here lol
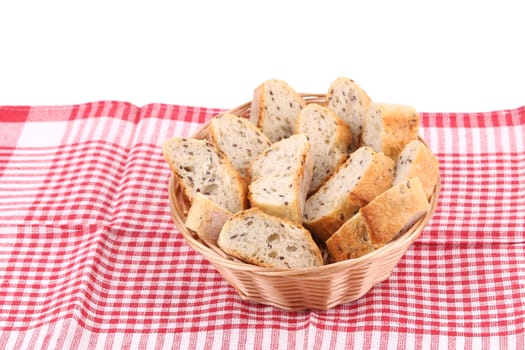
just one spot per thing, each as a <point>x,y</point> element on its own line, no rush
<point>265,240</point>
<point>296,176</point>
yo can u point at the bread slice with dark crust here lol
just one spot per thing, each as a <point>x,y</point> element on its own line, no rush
<point>395,210</point>
<point>380,221</point>
<point>350,241</point>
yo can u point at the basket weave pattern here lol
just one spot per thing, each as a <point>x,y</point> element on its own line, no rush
<point>319,288</point>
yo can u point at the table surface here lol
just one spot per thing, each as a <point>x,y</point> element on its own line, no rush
<point>90,258</point>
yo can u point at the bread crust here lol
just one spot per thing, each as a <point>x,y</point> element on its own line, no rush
<point>422,164</point>
<point>326,225</point>
<point>206,218</point>
<point>375,179</point>
<point>399,125</point>
<point>350,241</point>
<point>402,204</point>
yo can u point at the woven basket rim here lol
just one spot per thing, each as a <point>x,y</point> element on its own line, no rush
<point>403,241</point>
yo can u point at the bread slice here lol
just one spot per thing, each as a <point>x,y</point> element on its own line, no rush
<point>239,139</point>
<point>350,241</point>
<point>274,109</point>
<point>206,218</point>
<point>357,181</point>
<point>388,128</point>
<point>202,169</point>
<point>280,177</point>
<point>417,159</point>
<point>330,138</point>
<point>265,240</point>
<point>350,102</point>
<point>395,210</point>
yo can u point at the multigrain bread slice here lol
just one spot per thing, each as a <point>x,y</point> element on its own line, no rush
<point>238,138</point>
<point>388,128</point>
<point>274,109</point>
<point>350,102</point>
<point>265,240</point>
<point>395,210</point>
<point>350,241</point>
<point>330,138</point>
<point>200,168</point>
<point>417,159</point>
<point>206,218</point>
<point>279,178</point>
<point>357,181</point>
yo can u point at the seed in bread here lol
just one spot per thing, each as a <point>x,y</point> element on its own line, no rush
<point>239,139</point>
<point>350,241</point>
<point>417,159</point>
<point>388,128</point>
<point>268,241</point>
<point>350,102</point>
<point>206,218</point>
<point>279,178</point>
<point>395,210</point>
<point>357,181</point>
<point>330,138</point>
<point>202,169</point>
<point>274,109</point>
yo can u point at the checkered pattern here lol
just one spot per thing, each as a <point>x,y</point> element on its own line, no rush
<point>89,256</point>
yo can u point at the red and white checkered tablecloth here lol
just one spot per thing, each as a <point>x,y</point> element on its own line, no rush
<point>90,258</point>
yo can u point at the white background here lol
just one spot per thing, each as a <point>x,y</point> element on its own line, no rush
<point>437,56</point>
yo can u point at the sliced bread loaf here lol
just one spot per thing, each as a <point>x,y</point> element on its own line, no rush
<point>350,102</point>
<point>350,241</point>
<point>239,139</point>
<point>417,159</point>
<point>268,241</point>
<point>279,178</point>
<point>395,210</point>
<point>388,128</point>
<point>274,109</point>
<point>202,169</point>
<point>330,138</point>
<point>357,181</point>
<point>206,218</point>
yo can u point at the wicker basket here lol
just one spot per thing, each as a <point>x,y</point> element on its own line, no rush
<point>319,288</point>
